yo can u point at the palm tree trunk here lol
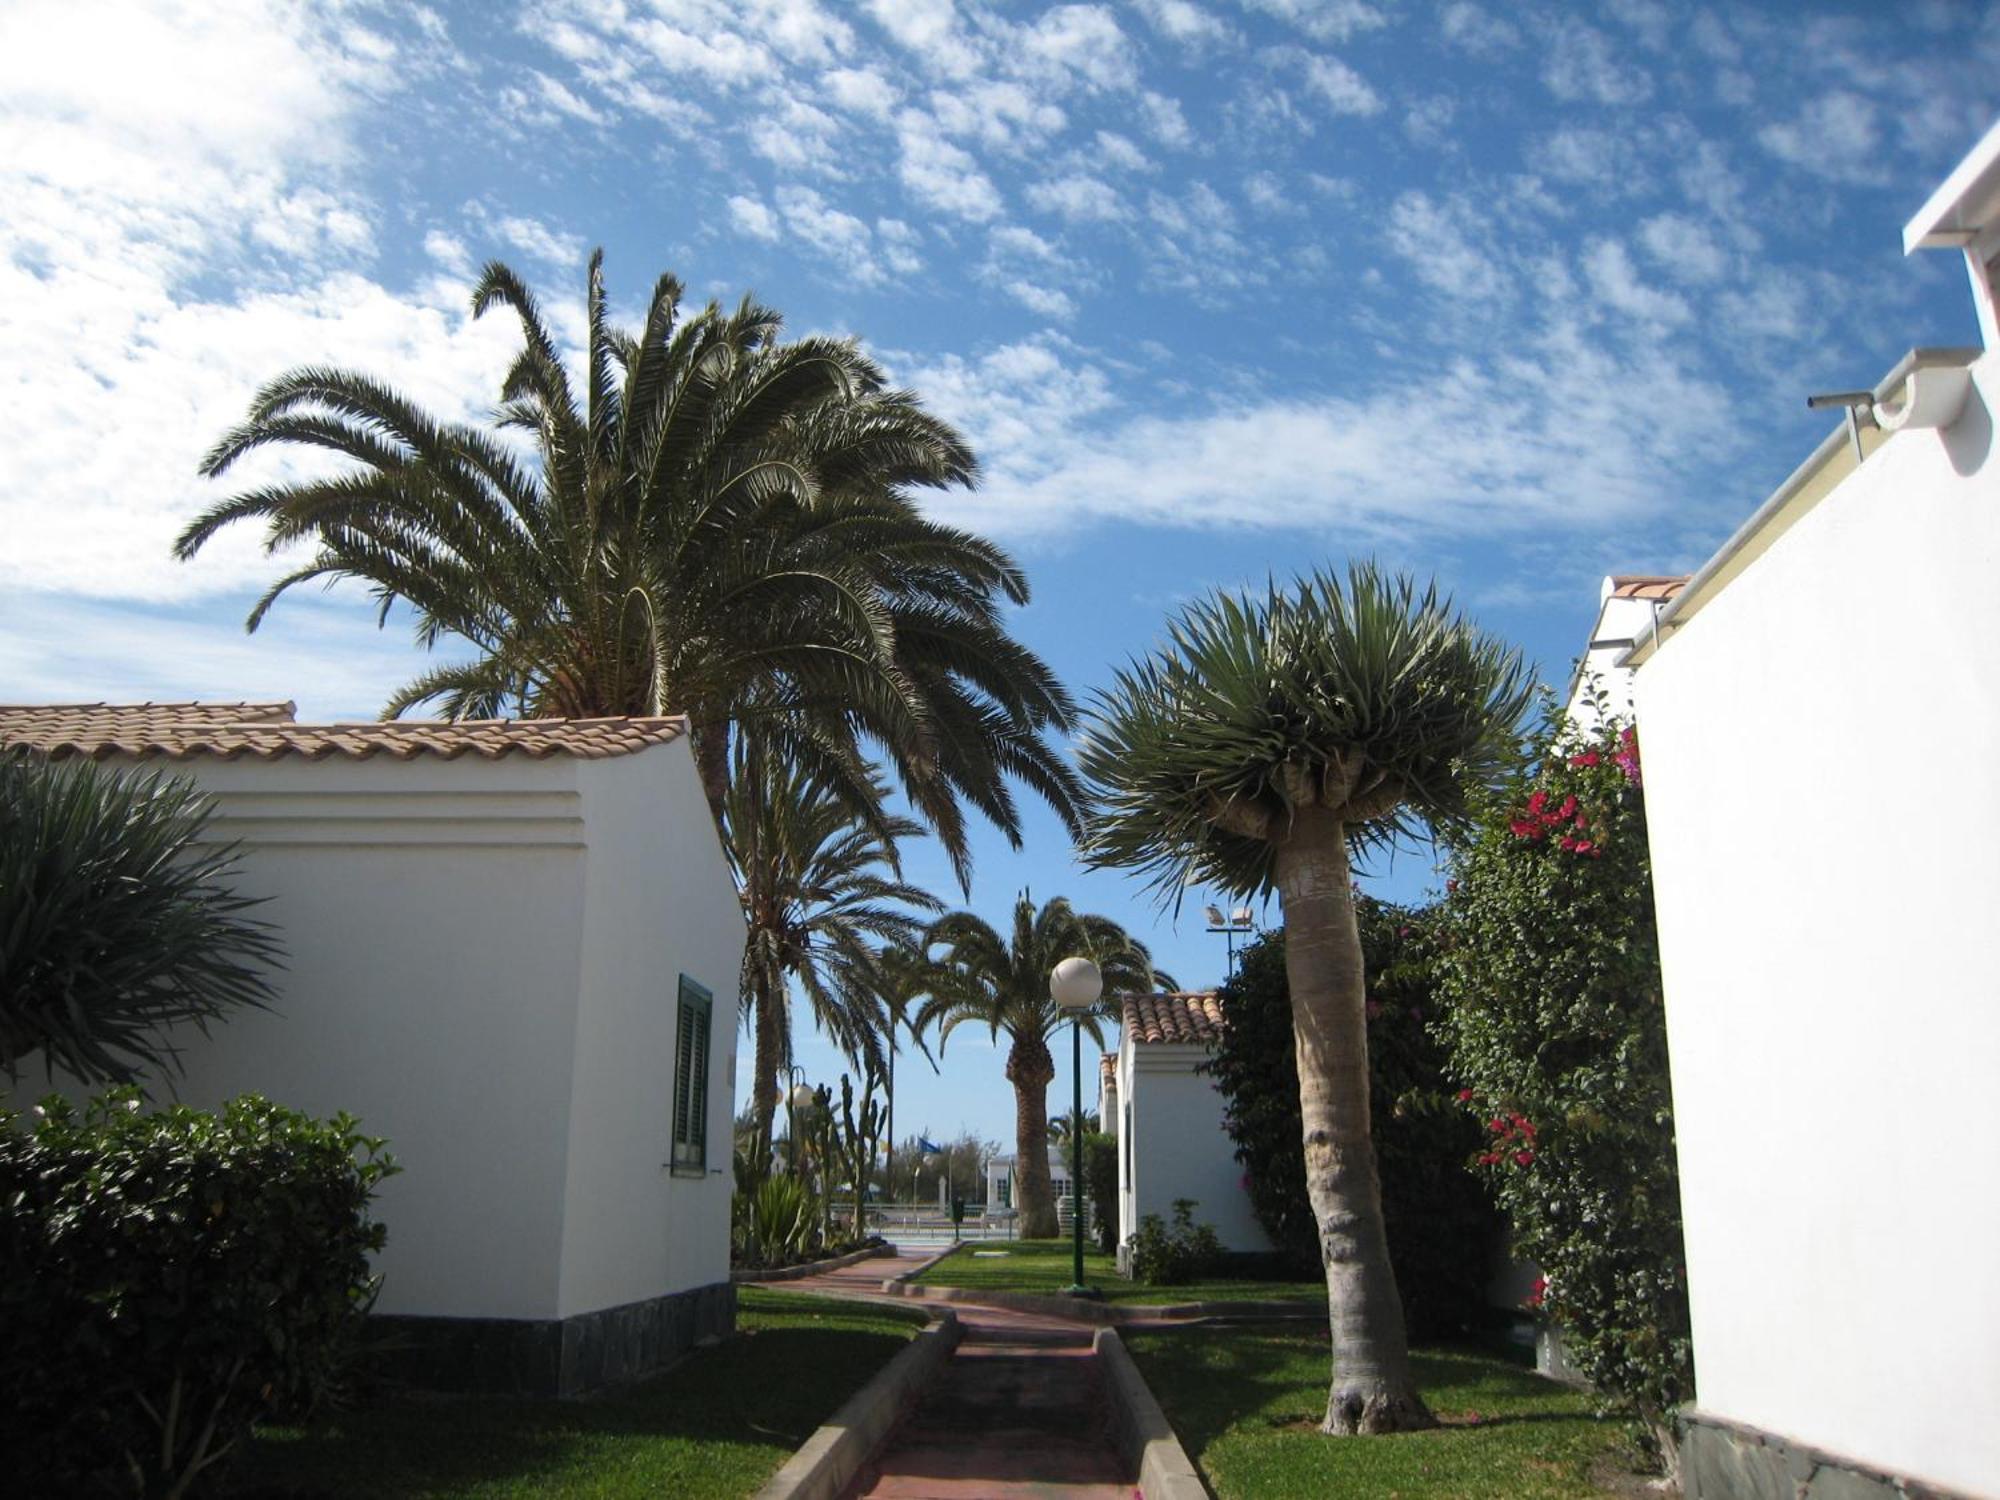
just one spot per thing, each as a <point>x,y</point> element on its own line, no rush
<point>889,1161</point>
<point>770,1063</point>
<point>1372,1390</point>
<point>711,759</point>
<point>1030,1069</point>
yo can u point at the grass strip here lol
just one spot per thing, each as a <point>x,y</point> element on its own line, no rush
<point>1247,1400</point>
<point>718,1424</point>
<point>1045,1266</point>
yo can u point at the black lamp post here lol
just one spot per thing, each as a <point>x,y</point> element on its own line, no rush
<point>1075,986</point>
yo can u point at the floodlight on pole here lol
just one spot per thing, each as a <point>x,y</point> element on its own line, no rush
<point>1240,920</point>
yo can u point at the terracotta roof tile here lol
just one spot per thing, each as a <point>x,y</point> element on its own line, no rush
<point>1179,1017</point>
<point>1647,585</point>
<point>266,731</point>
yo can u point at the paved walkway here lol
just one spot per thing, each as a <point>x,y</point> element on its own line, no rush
<point>1019,1412</point>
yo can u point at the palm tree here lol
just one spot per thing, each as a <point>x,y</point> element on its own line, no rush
<point>1059,1126</point>
<point>904,976</point>
<point>720,525</point>
<point>1003,984</point>
<point>1249,753</point>
<point>819,892</point>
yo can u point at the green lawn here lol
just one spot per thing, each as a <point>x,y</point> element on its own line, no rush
<point>717,1424</point>
<point>1247,1400</point>
<point>1046,1266</point>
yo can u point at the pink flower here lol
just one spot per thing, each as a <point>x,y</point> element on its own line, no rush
<point>1465,1096</point>
<point>1523,1158</point>
<point>1588,758</point>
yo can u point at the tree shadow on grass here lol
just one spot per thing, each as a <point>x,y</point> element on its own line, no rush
<point>715,1424</point>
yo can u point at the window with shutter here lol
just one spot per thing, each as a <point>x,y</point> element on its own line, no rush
<point>691,1078</point>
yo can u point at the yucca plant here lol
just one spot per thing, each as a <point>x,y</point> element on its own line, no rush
<point>1267,737</point>
<point>118,921</point>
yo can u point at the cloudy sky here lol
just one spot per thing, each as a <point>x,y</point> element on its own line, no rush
<point>1516,294</point>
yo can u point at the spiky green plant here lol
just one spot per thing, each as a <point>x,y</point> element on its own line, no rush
<point>1002,983</point>
<point>119,921</point>
<point>720,524</point>
<point>1267,737</point>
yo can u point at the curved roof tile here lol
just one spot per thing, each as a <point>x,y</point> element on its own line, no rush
<point>1176,1018</point>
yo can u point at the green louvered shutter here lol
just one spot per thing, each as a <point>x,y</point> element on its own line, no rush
<point>691,1077</point>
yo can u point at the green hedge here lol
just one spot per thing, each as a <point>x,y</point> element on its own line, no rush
<point>168,1279</point>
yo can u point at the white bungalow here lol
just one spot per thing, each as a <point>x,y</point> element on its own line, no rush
<point>513,951</point>
<point>1171,1140</point>
<point>1820,720</point>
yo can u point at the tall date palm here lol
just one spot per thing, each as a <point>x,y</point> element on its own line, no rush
<point>820,893</point>
<point>1249,753</point>
<point>1002,983</point>
<point>719,524</point>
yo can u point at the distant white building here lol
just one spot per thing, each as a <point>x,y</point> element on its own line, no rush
<point>1000,1186</point>
<point>513,951</point>
<point>1627,607</point>
<point>1820,725</point>
<point>1171,1139</point>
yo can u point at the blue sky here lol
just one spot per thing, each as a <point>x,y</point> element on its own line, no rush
<point>1513,294</point>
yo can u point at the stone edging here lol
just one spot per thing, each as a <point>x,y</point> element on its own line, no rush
<point>835,1453</point>
<point>1723,1459</point>
<point>1141,1428</point>
<point>1102,1314</point>
<point>811,1268</point>
<point>894,1285</point>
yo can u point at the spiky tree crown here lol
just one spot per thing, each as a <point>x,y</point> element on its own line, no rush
<point>1369,696</point>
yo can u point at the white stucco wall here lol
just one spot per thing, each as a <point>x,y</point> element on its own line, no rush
<point>660,903</point>
<point>483,965</point>
<point>1180,1148</point>
<point>1820,742</point>
<point>1621,621</point>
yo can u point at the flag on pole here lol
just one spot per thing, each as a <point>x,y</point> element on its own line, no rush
<point>929,1147</point>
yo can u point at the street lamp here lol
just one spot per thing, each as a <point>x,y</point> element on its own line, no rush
<point>1239,920</point>
<point>798,1097</point>
<point>1074,985</point>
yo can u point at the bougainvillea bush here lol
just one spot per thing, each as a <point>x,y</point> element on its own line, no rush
<point>1549,971</point>
<point>1440,1220</point>
<point>169,1279</point>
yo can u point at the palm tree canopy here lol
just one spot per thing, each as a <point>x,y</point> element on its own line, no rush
<point>1003,983</point>
<point>1369,696</point>
<point>820,892</point>
<point>719,524</point>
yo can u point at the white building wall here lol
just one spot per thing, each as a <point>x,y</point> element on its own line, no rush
<point>1820,742</point>
<point>1181,1148</point>
<point>1603,690</point>
<point>433,914</point>
<point>660,904</point>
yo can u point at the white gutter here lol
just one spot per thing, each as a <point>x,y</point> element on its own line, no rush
<point>1717,572</point>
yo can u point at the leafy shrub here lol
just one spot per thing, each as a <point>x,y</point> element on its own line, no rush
<point>1440,1219</point>
<point>116,923</point>
<point>1188,1251</point>
<point>1558,1034</point>
<point>777,1222</point>
<point>167,1280</point>
<point>1100,1184</point>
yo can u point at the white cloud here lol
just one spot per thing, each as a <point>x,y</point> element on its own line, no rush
<point>1583,64</point>
<point>1477,30</point>
<point>532,237</point>
<point>862,91</point>
<point>1163,119</point>
<point>899,243</point>
<point>941,174</point>
<point>930,30</point>
<point>1078,197</point>
<point>1345,91</point>
<point>797,137</point>
<point>753,217</point>
<point>1430,237</point>
<point>1684,249</point>
<point>1323,20</point>
<point>1265,193</point>
<point>1119,151</point>
<point>1470,448</point>
<point>1185,22</point>
<point>837,235</point>
<point>1836,136</point>
<point>1003,115</point>
<point>1044,300</point>
<point>1617,284</point>
<point>1428,121</point>
<point>547,101</point>
<point>1080,43</point>
<point>449,251</point>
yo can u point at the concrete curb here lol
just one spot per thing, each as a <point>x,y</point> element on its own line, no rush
<point>1141,1428</point>
<point>811,1268</point>
<point>1103,1314</point>
<point>894,1285</point>
<point>832,1456</point>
